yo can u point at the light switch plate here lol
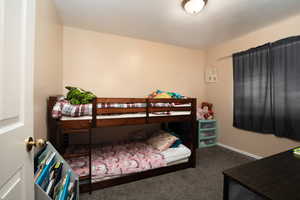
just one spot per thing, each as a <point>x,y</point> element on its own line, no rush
<point>211,75</point>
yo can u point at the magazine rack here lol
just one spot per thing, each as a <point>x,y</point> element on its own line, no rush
<point>40,194</point>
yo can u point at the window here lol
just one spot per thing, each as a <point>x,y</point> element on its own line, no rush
<point>267,88</point>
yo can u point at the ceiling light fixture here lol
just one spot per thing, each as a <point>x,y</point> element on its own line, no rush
<point>193,7</point>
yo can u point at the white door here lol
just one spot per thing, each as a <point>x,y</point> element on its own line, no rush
<point>17,27</point>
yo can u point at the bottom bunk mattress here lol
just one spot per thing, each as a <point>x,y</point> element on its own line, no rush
<point>119,160</point>
<point>172,155</point>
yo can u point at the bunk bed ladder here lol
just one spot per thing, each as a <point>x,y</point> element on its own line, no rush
<point>193,131</point>
<point>93,124</point>
<point>90,159</point>
<point>65,136</point>
<point>147,110</point>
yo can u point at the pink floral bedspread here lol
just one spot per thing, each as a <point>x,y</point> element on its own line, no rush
<point>117,160</point>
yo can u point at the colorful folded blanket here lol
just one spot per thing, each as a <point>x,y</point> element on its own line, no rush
<point>162,94</point>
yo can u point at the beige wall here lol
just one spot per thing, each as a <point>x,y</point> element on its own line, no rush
<point>115,66</point>
<point>221,93</point>
<point>48,62</point>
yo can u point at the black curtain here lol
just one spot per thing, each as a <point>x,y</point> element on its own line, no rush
<point>252,92</point>
<point>285,62</point>
<point>267,88</point>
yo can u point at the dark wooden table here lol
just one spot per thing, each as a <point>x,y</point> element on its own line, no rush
<point>276,177</point>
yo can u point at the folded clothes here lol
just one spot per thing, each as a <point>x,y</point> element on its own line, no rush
<point>163,94</point>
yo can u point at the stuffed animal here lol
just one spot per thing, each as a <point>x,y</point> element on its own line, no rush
<point>205,111</point>
<point>79,96</point>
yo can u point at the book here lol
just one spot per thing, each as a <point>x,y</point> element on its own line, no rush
<point>57,171</point>
<point>74,194</point>
<point>41,164</point>
<point>70,190</point>
<point>50,185</point>
<point>51,175</point>
<point>71,197</point>
<point>48,178</point>
<point>71,187</point>
<point>57,190</point>
<point>46,169</point>
<point>65,193</point>
<point>37,158</point>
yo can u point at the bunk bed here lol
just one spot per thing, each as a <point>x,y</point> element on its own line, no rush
<point>176,113</point>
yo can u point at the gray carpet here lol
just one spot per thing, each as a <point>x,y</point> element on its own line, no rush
<point>202,183</point>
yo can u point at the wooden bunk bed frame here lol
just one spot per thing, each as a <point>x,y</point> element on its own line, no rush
<point>58,131</point>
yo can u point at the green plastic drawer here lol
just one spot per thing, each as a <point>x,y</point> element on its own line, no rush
<point>206,134</point>
<point>207,124</point>
<point>207,142</point>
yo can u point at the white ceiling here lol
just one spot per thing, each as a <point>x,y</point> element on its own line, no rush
<point>165,21</point>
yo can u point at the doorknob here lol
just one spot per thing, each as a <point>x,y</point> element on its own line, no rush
<point>30,142</point>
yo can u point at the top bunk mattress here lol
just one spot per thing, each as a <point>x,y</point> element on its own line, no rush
<point>65,110</point>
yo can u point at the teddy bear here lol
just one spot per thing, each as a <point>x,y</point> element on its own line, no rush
<point>205,111</point>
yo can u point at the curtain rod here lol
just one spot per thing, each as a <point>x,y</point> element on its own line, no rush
<point>224,57</point>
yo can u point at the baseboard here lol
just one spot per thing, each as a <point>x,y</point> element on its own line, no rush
<point>240,151</point>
